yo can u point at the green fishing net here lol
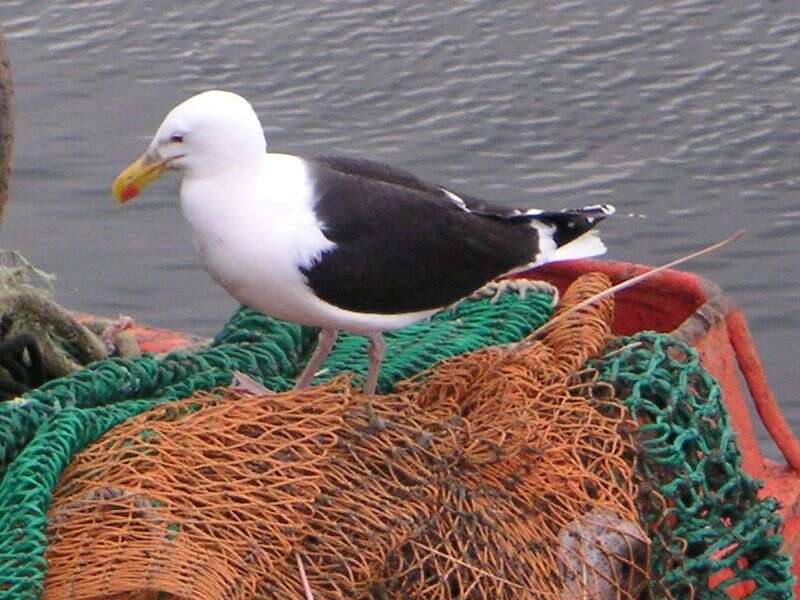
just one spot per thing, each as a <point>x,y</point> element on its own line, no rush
<point>42,431</point>
<point>698,507</point>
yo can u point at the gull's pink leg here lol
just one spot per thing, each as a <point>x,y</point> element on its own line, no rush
<point>325,342</point>
<point>376,349</point>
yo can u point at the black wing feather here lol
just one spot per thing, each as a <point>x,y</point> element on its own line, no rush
<point>378,171</point>
<point>402,245</point>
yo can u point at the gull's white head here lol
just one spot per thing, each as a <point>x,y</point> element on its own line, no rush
<point>206,134</point>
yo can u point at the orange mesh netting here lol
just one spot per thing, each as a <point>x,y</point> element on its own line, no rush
<point>499,474</point>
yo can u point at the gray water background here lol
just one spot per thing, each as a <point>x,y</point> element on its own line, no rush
<point>686,111</point>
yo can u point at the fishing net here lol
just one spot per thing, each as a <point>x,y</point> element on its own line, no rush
<point>502,472</point>
<point>41,431</point>
<point>491,476</point>
<point>710,532</point>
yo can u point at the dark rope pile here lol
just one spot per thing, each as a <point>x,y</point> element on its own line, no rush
<point>21,365</point>
<point>39,339</point>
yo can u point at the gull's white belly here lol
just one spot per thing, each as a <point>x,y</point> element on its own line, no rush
<point>271,282</point>
<point>256,276</point>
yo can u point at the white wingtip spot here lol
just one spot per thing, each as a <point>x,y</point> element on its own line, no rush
<point>606,209</point>
<point>458,201</point>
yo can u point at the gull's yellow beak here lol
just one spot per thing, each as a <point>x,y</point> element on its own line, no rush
<point>136,177</point>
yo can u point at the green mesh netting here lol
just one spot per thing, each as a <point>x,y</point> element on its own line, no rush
<point>688,461</point>
<point>699,508</point>
<point>40,433</point>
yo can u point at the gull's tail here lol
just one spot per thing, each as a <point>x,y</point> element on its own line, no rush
<point>568,234</point>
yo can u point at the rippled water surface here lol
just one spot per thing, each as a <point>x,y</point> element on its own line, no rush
<point>686,111</point>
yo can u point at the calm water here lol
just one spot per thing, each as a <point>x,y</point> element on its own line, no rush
<point>686,111</point>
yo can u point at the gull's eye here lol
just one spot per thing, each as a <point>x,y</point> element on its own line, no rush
<point>177,138</point>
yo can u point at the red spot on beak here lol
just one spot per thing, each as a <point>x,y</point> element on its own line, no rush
<point>129,192</point>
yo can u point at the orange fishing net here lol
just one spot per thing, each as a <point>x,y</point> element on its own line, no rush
<point>504,473</point>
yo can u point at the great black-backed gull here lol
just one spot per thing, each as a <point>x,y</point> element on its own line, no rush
<point>339,243</point>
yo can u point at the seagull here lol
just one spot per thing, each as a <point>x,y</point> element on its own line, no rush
<point>339,243</point>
